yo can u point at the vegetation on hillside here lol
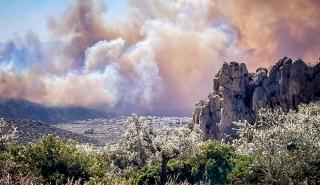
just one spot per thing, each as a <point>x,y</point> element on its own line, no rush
<point>280,148</point>
<point>7,135</point>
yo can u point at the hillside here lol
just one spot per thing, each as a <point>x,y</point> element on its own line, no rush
<point>29,131</point>
<point>23,109</point>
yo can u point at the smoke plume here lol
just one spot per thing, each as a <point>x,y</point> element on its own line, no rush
<point>162,58</point>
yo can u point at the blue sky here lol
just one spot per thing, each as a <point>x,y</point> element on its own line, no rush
<point>20,16</point>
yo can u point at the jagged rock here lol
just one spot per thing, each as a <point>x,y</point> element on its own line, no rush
<point>238,94</point>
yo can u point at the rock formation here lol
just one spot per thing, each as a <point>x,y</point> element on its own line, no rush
<point>238,94</point>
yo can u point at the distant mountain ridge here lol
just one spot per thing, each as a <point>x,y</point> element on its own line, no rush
<point>11,108</point>
<point>30,131</point>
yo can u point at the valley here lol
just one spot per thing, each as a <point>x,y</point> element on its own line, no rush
<point>109,131</point>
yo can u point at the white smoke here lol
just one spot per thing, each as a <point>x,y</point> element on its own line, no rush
<point>162,57</point>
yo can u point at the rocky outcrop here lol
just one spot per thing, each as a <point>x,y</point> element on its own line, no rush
<point>238,94</point>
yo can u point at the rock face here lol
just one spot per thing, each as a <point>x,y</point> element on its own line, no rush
<point>238,94</point>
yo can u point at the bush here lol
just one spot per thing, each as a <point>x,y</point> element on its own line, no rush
<point>57,161</point>
<point>148,175</point>
<point>108,179</point>
<point>243,172</point>
<point>285,146</point>
<point>217,161</point>
<point>212,163</point>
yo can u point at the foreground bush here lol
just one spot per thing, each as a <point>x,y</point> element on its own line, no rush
<point>285,146</point>
<point>57,161</point>
<point>212,163</point>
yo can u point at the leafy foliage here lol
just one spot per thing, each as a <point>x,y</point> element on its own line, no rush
<point>212,164</point>
<point>243,172</point>
<point>147,175</point>
<point>57,161</point>
<point>286,146</point>
<point>143,146</point>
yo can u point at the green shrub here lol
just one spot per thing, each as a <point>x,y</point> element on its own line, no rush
<point>57,161</point>
<point>243,172</point>
<point>181,170</point>
<point>148,175</point>
<point>217,161</point>
<point>212,163</point>
<point>108,179</point>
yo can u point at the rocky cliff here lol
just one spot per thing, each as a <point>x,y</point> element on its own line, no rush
<point>238,94</point>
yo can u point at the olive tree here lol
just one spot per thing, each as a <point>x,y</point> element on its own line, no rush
<point>142,145</point>
<point>285,146</point>
<point>173,143</point>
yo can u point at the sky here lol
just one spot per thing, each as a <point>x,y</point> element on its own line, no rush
<point>150,57</point>
<point>17,17</point>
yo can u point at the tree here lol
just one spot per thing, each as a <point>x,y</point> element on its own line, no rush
<point>143,146</point>
<point>173,143</point>
<point>285,146</point>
